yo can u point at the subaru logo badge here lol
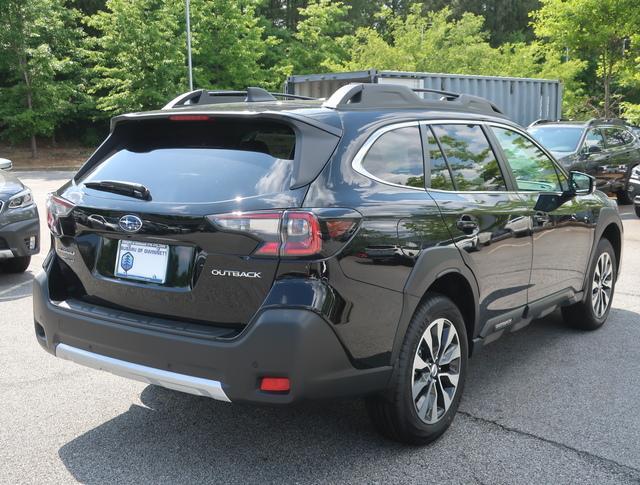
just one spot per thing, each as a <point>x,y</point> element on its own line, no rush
<point>130,223</point>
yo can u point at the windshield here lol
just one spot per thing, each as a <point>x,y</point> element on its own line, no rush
<point>558,138</point>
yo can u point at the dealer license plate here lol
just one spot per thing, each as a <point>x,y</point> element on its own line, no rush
<point>142,261</point>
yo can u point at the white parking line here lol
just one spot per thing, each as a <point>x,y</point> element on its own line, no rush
<point>15,287</point>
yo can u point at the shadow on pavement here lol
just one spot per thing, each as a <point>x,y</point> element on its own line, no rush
<point>15,286</point>
<point>183,438</point>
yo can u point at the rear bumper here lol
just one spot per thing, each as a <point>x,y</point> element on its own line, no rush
<point>280,342</point>
<point>17,235</point>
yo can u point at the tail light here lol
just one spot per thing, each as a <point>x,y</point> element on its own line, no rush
<point>57,207</point>
<point>292,233</point>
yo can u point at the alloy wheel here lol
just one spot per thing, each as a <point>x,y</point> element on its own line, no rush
<point>436,370</point>
<point>602,285</point>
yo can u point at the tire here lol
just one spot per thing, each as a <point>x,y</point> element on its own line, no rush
<point>637,208</point>
<point>16,265</point>
<point>623,197</point>
<point>395,413</point>
<point>592,312</point>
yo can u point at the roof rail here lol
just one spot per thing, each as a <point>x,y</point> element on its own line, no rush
<point>541,121</point>
<point>250,95</point>
<point>609,121</point>
<point>365,95</point>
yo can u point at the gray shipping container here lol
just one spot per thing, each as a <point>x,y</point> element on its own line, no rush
<point>522,99</point>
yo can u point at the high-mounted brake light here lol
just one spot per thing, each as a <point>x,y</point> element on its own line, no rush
<point>189,118</point>
<point>57,207</point>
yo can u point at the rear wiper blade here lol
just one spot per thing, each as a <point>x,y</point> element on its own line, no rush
<point>129,189</point>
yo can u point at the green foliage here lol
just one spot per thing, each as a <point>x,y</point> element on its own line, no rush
<point>63,62</point>
<point>228,45</point>
<point>39,81</point>
<point>138,57</point>
<point>433,43</point>
<point>437,42</point>
<point>318,46</point>
<point>593,30</point>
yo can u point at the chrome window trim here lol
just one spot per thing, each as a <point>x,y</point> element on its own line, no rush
<point>364,149</point>
<point>359,157</point>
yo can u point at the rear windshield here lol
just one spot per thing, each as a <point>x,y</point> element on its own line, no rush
<point>201,161</point>
<point>558,138</point>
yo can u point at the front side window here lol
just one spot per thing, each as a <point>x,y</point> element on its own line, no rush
<point>594,138</point>
<point>396,157</point>
<point>532,169</point>
<point>471,159</point>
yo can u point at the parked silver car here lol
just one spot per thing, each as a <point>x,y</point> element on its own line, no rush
<point>19,222</point>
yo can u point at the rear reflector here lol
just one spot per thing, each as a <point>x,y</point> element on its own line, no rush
<point>275,384</point>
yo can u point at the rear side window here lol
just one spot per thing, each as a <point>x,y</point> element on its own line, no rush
<point>616,137</point>
<point>201,161</point>
<point>471,159</point>
<point>396,157</point>
<point>438,174</point>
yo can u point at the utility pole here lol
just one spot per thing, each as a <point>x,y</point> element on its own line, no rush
<point>189,47</point>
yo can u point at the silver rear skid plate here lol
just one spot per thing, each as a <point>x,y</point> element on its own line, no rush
<point>171,380</point>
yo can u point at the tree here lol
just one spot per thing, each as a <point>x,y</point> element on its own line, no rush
<point>38,61</point>
<point>317,41</point>
<point>591,29</point>
<point>432,42</point>
<point>139,55</point>
<point>229,45</point>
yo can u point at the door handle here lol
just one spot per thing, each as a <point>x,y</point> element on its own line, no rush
<point>541,217</point>
<point>467,224</point>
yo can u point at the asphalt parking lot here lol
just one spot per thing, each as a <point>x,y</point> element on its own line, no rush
<point>544,405</point>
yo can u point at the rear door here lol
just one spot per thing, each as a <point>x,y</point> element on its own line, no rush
<point>562,238</point>
<point>489,223</point>
<point>622,154</point>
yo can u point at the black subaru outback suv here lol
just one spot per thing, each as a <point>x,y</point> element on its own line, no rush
<point>605,149</point>
<point>272,251</point>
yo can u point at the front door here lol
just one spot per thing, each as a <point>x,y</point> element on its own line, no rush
<point>562,238</point>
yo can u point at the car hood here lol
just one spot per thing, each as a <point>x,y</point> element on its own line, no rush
<point>9,183</point>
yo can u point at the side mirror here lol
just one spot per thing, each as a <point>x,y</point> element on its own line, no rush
<point>581,184</point>
<point>5,164</point>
